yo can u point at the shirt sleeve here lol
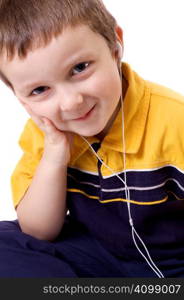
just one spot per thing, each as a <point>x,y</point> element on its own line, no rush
<point>32,143</point>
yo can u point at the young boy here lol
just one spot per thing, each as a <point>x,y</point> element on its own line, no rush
<point>103,164</point>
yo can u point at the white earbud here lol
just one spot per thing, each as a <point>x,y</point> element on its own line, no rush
<point>119,49</point>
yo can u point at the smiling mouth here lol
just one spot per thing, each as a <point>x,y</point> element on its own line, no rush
<point>84,117</point>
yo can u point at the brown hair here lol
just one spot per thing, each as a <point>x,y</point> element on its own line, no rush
<point>27,24</point>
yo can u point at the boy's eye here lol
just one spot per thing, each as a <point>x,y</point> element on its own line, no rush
<point>80,68</point>
<point>39,90</point>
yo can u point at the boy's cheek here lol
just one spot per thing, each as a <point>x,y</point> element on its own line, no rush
<point>27,107</point>
<point>22,102</point>
<point>35,111</point>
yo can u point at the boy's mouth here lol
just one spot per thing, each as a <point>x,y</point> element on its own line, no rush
<point>84,117</point>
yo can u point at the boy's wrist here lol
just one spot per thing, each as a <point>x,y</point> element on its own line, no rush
<point>56,155</point>
<point>54,163</point>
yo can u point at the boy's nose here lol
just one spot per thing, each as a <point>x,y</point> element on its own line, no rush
<point>70,102</point>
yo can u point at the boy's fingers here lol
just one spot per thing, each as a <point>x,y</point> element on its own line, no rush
<point>53,134</point>
<point>38,121</point>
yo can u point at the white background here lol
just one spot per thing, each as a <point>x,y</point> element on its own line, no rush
<point>153,46</point>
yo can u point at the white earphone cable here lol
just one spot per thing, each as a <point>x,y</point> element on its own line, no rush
<point>127,194</point>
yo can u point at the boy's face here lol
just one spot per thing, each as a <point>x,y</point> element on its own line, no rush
<point>73,81</point>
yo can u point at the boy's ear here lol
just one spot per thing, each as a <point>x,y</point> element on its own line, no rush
<point>119,34</point>
<point>119,44</point>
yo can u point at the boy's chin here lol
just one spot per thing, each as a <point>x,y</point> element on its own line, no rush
<point>86,131</point>
<point>91,133</point>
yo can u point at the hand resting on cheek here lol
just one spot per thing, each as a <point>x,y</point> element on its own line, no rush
<point>57,143</point>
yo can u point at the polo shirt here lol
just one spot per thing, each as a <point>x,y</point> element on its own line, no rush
<point>154,149</point>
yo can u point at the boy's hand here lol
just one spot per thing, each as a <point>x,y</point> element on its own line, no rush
<point>57,143</point>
